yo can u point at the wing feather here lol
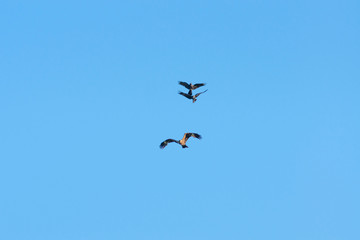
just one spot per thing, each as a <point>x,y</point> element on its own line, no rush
<point>185,85</point>
<point>188,135</point>
<point>164,143</point>
<point>198,85</point>
<point>186,95</point>
<point>198,94</point>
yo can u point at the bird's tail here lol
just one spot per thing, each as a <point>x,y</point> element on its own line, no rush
<point>184,146</point>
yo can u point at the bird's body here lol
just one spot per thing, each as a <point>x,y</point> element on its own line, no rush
<point>190,96</point>
<point>182,141</point>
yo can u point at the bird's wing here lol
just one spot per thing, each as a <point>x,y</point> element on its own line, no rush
<point>185,85</point>
<point>164,143</point>
<point>198,85</point>
<point>188,135</point>
<point>200,93</point>
<point>190,92</point>
<point>185,95</point>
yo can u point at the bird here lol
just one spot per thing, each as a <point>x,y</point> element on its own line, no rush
<point>182,142</point>
<point>193,97</point>
<point>191,86</point>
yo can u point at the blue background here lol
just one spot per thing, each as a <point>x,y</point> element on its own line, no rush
<point>88,90</point>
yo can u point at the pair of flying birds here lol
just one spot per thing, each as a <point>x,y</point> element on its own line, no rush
<point>188,95</point>
<point>191,87</point>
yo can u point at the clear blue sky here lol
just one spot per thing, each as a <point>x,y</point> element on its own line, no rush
<point>88,90</point>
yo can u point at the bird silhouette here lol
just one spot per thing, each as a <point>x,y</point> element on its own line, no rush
<point>182,141</point>
<point>190,96</point>
<point>191,86</point>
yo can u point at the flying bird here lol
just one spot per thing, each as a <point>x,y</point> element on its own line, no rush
<point>193,97</point>
<point>182,142</point>
<point>191,86</point>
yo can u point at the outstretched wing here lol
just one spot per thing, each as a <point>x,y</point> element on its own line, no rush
<point>188,135</point>
<point>186,95</point>
<point>164,143</point>
<point>198,85</point>
<point>190,92</point>
<point>185,85</point>
<point>200,93</point>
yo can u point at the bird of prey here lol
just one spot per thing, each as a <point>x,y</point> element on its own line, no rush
<point>193,97</point>
<point>191,86</point>
<point>182,142</point>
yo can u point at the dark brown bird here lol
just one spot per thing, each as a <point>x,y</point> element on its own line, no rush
<point>182,142</point>
<point>191,86</point>
<point>193,97</point>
